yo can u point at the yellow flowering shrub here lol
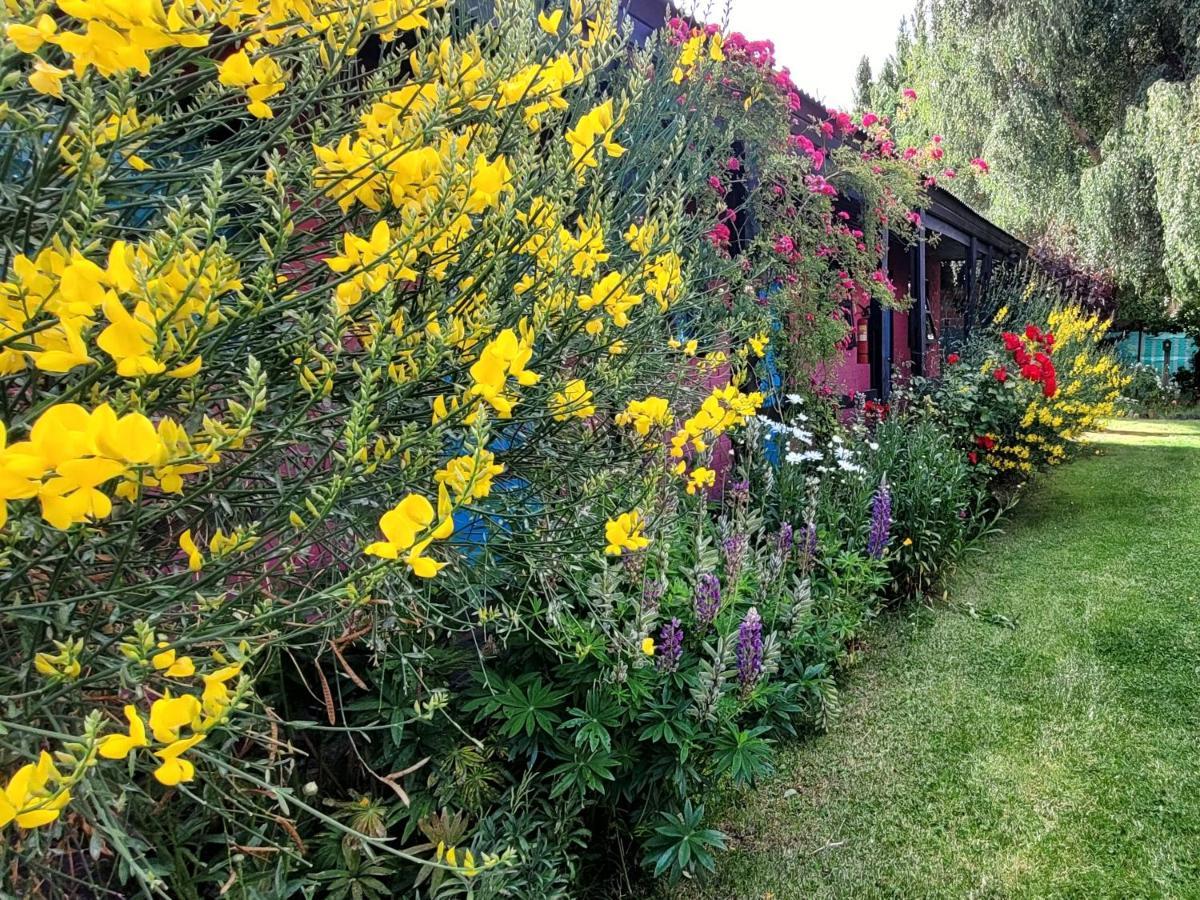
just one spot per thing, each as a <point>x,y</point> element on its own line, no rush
<point>323,328</point>
<point>1030,384</point>
<point>1089,384</point>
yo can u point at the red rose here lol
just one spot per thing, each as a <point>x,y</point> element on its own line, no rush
<point>1021,357</point>
<point>1031,372</point>
<point>1001,374</point>
<point>1049,387</point>
<point>1011,341</point>
<point>1033,333</point>
<point>973,457</point>
<point>1048,340</point>
<point>952,359</point>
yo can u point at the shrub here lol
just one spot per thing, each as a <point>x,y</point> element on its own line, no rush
<point>938,506</point>
<point>1146,389</point>
<point>344,349</point>
<point>1029,383</point>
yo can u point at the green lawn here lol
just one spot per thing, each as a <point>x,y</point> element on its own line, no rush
<point>1056,759</point>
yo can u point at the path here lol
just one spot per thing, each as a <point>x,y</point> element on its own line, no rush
<point>1057,759</point>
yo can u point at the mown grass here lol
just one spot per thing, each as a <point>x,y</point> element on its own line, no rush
<point>1057,758</point>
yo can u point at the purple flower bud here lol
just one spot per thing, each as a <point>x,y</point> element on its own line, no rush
<point>733,548</point>
<point>750,648</point>
<point>784,542</point>
<point>881,521</point>
<point>670,646</point>
<point>739,491</point>
<point>652,592</point>
<point>806,542</point>
<point>708,598</point>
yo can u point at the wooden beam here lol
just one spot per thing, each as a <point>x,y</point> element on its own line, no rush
<point>945,229</point>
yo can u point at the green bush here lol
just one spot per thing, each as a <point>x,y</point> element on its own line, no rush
<point>344,347</point>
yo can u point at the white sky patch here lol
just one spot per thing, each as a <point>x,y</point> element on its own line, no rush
<point>821,42</point>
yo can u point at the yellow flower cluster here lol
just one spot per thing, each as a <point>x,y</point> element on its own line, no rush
<point>63,664</point>
<point>611,293</point>
<point>261,80</point>
<point>647,414</point>
<point>372,262</point>
<point>468,867</point>
<point>700,479</point>
<point>503,358</point>
<point>412,525</point>
<point>219,545</point>
<point>625,533</point>
<point>128,131</point>
<point>409,528</point>
<point>157,300</point>
<point>470,477</point>
<point>573,401</point>
<point>168,717</point>
<point>116,37</point>
<point>723,409</point>
<point>72,453</point>
<point>693,51</point>
<point>593,133</point>
<point>37,793</point>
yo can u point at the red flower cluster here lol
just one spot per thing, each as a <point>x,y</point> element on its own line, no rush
<point>984,442</point>
<point>1036,366</point>
<point>873,409</point>
<point>952,359</point>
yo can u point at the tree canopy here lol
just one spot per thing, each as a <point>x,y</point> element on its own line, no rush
<point>1087,112</point>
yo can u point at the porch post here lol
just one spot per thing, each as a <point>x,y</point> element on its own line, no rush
<point>916,319</point>
<point>882,367</point>
<point>972,262</point>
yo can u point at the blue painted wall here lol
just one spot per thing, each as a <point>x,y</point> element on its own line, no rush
<point>1153,349</point>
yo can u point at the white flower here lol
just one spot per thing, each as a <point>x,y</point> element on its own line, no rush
<point>837,439</point>
<point>794,398</point>
<point>873,445</point>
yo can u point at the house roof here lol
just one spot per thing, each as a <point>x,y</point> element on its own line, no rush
<point>956,220</point>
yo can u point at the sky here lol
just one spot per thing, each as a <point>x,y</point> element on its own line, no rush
<point>821,41</point>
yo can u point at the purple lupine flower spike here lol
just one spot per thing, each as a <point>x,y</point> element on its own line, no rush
<point>708,598</point>
<point>881,521</point>
<point>806,543</point>
<point>750,648</point>
<point>781,552</point>
<point>784,541</point>
<point>670,646</point>
<point>733,548</point>
<point>739,491</point>
<point>652,592</point>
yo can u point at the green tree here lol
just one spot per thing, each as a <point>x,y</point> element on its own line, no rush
<point>862,85</point>
<point>1082,108</point>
